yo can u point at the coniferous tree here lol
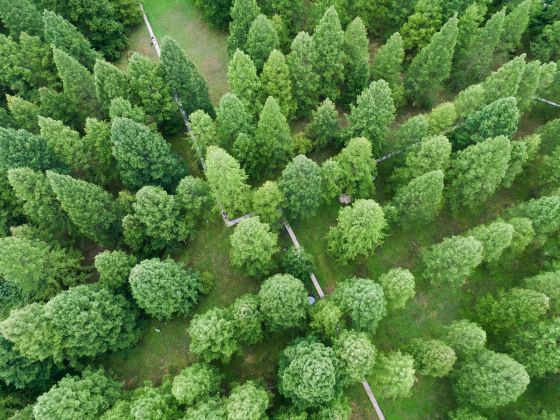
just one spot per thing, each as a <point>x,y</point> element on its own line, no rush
<point>387,65</point>
<point>441,119</point>
<point>324,127</point>
<point>124,109</point>
<point>544,213</point>
<point>495,238</point>
<point>110,83</point>
<point>517,162</point>
<point>243,13</point>
<point>515,25</point>
<point>529,84</point>
<point>243,80</point>
<point>329,64</point>
<point>372,115</point>
<point>357,169</point>
<point>305,81</point>
<point>232,119</point>
<point>261,40</point>
<point>276,82</point>
<point>432,66</point>
<point>356,50</point>
<point>203,132</point>
<point>21,16</point>
<point>64,36</point>
<point>410,132</point>
<point>20,148</point>
<point>184,78</point>
<point>477,171</point>
<point>469,100</point>
<point>544,46</point>
<point>143,157</point>
<point>421,25</point>
<point>24,113</point>
<point>96,144</point>
<point>505,81</point>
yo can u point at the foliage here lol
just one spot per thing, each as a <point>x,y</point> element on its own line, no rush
<point>495,239</point>
<point>267,201</point>
<point>297,262</point>
<point>515,25</point>
<point>243,13</point>
<point>543,47</point>
<point>326,319</point>
<point>465,337</point>
<point>393,374</point>
<point>248,319</point>
<point>421,25</point>
<point>432,357</point>
<point>24,113</point>
<point>356,51</point>
<point>114,267</point>
<point>305,81</point>
<point>262,39</point>
<point>110,83</point>
<point>124,109</point>
<point>252,247</point>
<point>517,162</point>
<point>357,168</point>
<point>388,66</point>
<point>469,100</point>
<point>546,283</point>
<point>324,126</point>
<point>243,81</point>
<point>21,16</point>
<point>20,372</point>
<point>196,383</point>
<point>276,82</point>
<point>505,81</point>
<point>232,119</point>
<point>441,119</point>
<point>543,213</point>
<point>248,401</point>
<point>283,302</point>
<point>356,355</point>
<point>203,132</point>
<point>398,287</point>
<point>213,336</point>
<point>153,403</point>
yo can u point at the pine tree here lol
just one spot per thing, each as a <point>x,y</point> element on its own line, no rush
<point>515,25</point>
<point>143,156</point>
<point>517,163</point>
<point>90,208</point>
<point>324,127</point>
<point>276,82</point>
<point>243,13</point>
<point>356,50</point>
<point>78,83</point>
<point>110,83</point>
<point>261,40</point>
<point>329,64</point>
<point>24,113</point>
<point>97,146</point>
<point>203,132</point>
<point>64,36</point>
<point>421,25</point>
<point>305,81</point>
<point>232,119</point>
<point>504,81</point>
<point>432,66</point>
<point>372,115</point>
<point>21,16</point>
<point>243,80</point>
<point>184,78</point>
<point>387,65</point>
<point>477,171</point>
<point>357,168</point>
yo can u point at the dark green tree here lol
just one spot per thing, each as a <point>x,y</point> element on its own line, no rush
<point>232,119</point>
<point>21,16</point>
<point>243,80</point>
<point>110,83</point>
<point>324,127</point>
<point>297,262</point>
<point>305,80</point>
<point>421,25</point>
<point>243,13</point>
<point>515,25</point>
<point>387,66</point>
<point>20,372</point>
<point>356,50</point>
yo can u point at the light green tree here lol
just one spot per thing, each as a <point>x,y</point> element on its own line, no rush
<point>515,25</point>
<point>495,239</point>
<point>243,80</point>
<point>421,25</point>
<point>267,202</point>
<point>387,65</point>
<point>196,383</point>
<point>232,119</point>
<point>467,338</point>
<point>110,83</point>
<point>114,267</point>
<point>283,302</point>
<point>248,319</point>
<point>505,81</point>
<point>398,287</point>
<point>213,336</point>
<point>432,357</point>
<point>253,246</point>
<point>243,13</point>
<point>262,39</point>
<point>394,374</point>
<point>357,168</point>
<point>305,80</point>
<point>248,401</point>
<point>276,82</point>
<point>356,355</point>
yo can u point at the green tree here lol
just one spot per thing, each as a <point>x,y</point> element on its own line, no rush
<point>324,127</point>
<point>544,213</point>
<point>213,408</point>
<point>410,132</point>
<point>283,302</point>
<point>326,319</point>
<point>248,401</point>
<point>441,119</point>
<point>248,319</point>
<point>419,201</point>
<point>398,287</point>
<point>421,25</point>
<point>305,80</point>
<point>184,77</point>
<point>393,374</point>
<point>494,237</point>
<point>362,301</point>
<point>331,175</point>
<point>329,45</point>
<point>548,175</point>
<point>21,16</point>
<point>203,132</point>
<point>432,357</point>
<point>262,39</point>
<point>65,142</point>
<point>505,81</point>
<point>213,336</point>
<point>253,246</point>
<point>356,355</point>
<point>308,374</point>
<point>529,84</point>
<point>515,25</point>
<point>267,202</point>
<point>243,80</point>
<point>193,197</point>
<point>544,47</point>
<point>359,230</point>
<point>297,262</point>
<point>432,66</point>
<point>24,113</point>
<point>91,209</point>
<point>452,260</point>
<point>357,168</point>
<point>469,100</point>
<point>114,267</point>
<point>300,184</point>
<point>227,181</point>
<point>243,13</point>
<point>387,66</point>
<point>465,337</point>
<point>122,108</point>
<point>232,119</point>
<point>143,156</point>
<point>490,380</point>
<point>20,372</point>
<point>276,82</point>
<point>546,283</point>
<point>85,396</point>
<point>356,52</point>
<point>151,403</point>
<point>517,162</point>
<point>523,235</point>
<point>110,83</point>
<point>96,143</point>
<point>196,383</point>
<point>64,36</point>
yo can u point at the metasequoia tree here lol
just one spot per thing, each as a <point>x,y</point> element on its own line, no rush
<point>494,237</point>
<point>305,81</point>
<point>356,50</point>
<point>262,39</point>
<point>421,25</point>
<point>324,127</point>
<point>515,25</point>
<point>110,83</point>
<point>243,80</point>
<point>387,65</point>
<point>357,168</point>
<point>21,16</point>
<point>232,119</point>
<point>276,82</point>
<point>243,13</point>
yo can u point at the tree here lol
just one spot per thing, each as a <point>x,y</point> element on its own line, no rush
<point>515,24</point>
<point>227,181</point>
<point>283,302</point>
<point>523,235</point>
<point>267,202</point>
<point>64,36</point>
<point>305,81</point>
<point>143,156</point>
<point>469,30</point>
<point>324,126</point>
<point>247,401</point>
<point>232,119</point>
<point>387,66</point>
<point>518,161</point>
<point>546,283</point>
<point>248,319</point>
<point>432,66</point>
<point>326,319</point>
<point>543,213</point>
<point>196,383</point>
<point>398,287</point>
<point>122,108</point>
<point>110,83</point>
<point>252,247</point>
<point>477,171</point>
<point>372,115</point>
<point>114,268</point>
<point>329,45</point>
<point>297,262</point>
<point>356,355</point>
<point>243,80</point>
<point>85,396</point>
<point>363,301</point>
<point>410,132</point>
<point>24,113</point>
<point>262,39</point>
<point>203,132</point>
<point>150,403</point>
<point>419,201</point>
<point>432,357</point>
<point>90,208</point>
<point>149,90</point>
<point>495,238</point>
<point>21,16</point>
<point>213,336</point>
<point>308,374</point>
<point>65,142</point>
<point>505,81</point>
<point>216,13</point>
<point>421,25</point>
<point>357,168</point>
<point>393,374</point>
<point>466,338</point>
<point>243,13</point>
<point>20,372</point>
<point>529,84</point>
<point>300,184</point>
<point>452,260</point>
<point>543,47</point>
<point>184,77</point>
<point>441,119</point>
<point>469,100</point>
<point>276,82</point>
<point>213,408</point>
<point>490,380</point>
<point>164,288</point>
<point>356,51</point>
<point>193,198</point>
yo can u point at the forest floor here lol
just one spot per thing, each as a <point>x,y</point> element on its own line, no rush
<point>163,348</point>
